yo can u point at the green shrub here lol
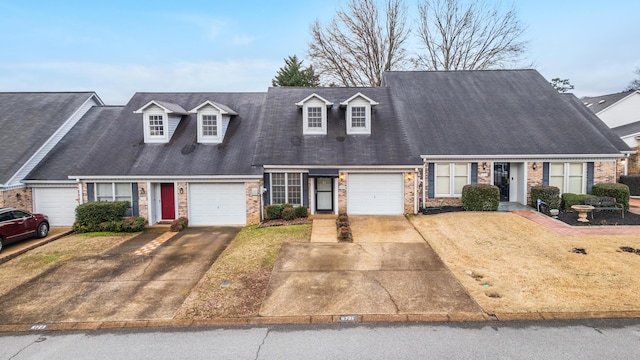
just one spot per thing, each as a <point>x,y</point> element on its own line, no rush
<point>301,212</point>
<point>633,182</point>
<point>288,213</point>
<point>133,224</point>
<point>549,194</point>
<point>91,215</point>
<point>618,191</point>
<point>287,205</point>
<point>569,199</point>
<point>343,218</point>
<point>274,211</point>
<point>179,224</point>
<point>480,197</point>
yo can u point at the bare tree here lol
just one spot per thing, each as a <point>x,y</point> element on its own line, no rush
<point>635,83</point>
<point>468,35</point>
<point>562,85</point>
<point>360,43</point>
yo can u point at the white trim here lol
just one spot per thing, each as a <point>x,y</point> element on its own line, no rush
<point>520,158</point>
<point>170,178</point>
<point>359,95</point>
<point>286,188</point>
<point>342,167</point>
<point>314,95</point>
<point>165,109</point>
<point>565,175</point>
<point>215,105</point>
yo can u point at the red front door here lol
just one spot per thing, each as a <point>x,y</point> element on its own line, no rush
<point>167,201</point>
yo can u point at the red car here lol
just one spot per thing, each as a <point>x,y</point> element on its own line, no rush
<point>16,225</point>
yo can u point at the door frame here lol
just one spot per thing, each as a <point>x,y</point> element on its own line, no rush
<point>315,183</point>
<point>503,188</point>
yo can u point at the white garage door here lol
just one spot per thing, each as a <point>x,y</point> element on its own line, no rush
<point>59,204</point>
<point>217,204</point>
<point>375,194</point>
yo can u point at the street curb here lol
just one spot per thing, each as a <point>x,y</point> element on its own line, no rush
<point>35,245</point>
<point>459,317</point>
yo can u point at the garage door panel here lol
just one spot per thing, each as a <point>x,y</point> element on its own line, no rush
<point>59,204</point>
<point>375,194</point>
<point>217,204</point>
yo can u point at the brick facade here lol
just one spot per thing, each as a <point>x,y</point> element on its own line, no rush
<point>253,201</point>
<point>534,177</point>
<point>183,204</point>
<point>21,198</point>
<point>409,193</point>
<point>342,193</point>
<point>607,171</point>
<point>143,200</point>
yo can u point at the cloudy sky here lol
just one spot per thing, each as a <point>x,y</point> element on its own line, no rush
<point>119,47</point>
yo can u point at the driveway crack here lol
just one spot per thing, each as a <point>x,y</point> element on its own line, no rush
<point>39,339</point>
<point>144,271</point>
<point>393,301</point>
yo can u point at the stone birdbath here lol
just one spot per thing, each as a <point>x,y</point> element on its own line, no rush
<point>583,210</point>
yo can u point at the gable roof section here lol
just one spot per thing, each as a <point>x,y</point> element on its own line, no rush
<point>495,113</point>
<point>599,103</point>
<point>314,95</point>
<point>32,124</point>
<point>224,109</point>
<point>170,108</point>
<point>358,95</point>
<point>281,141</point>
<point>120,150</point>
<point>627,129</point>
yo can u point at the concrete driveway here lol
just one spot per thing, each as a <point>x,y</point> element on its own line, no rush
<point>388,269</point>
<point>127,283</point>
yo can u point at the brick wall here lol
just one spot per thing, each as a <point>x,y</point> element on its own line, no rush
<point>484,175</point>
<point>634,163</point>
<point>409,194</point>
<point>253,201</point>
<point>342,194</point>
<point>534,177</point>
<point>607,171</point>
<point>143,200</point>
<point>21,198</point>
<point>183,207</point>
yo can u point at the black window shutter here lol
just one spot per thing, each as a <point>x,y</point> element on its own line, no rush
<point>305,189</point>
<point>474,173</point>
<point>267,194</point>
<point>134,199</point>
<point>545,174</point>
<point>91,192</point>
<point>590,177</point>
<point>431,182</point>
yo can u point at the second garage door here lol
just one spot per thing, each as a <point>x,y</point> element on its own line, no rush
<point>375,194</point>
<point>217,204</point>
<point>59,204</point>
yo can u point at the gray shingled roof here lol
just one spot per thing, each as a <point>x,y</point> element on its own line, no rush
<point>27,120</point>
<point>75,147</point>
<point>120,149</point>
<point>281,141</point>
<point>500,112</point>
<point>627,129</point>
<point>599,103</point>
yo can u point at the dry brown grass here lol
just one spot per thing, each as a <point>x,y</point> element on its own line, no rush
<point>246,265</point>
<point>512,265</point>
<point>33,263</point>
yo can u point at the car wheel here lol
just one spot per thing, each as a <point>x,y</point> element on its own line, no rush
<point>43,230</point>
<point>1,244</point>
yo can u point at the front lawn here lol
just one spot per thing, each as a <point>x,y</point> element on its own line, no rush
<point>237,282</point>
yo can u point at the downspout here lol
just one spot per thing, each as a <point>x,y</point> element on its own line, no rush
<point>424,185</point>
<point>81,195</point>
<point>415,192</point>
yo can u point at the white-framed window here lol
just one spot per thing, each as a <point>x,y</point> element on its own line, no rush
<point>209,125</point>
<point>358,117</point>
<point>568,177</point>
<point>314,117</point>
<point>450,178</point>
<point>114,192</point>
<point>286,188</point>
<point>156,124</point>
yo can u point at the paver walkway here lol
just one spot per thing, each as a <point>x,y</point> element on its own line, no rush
<point>634,205</point>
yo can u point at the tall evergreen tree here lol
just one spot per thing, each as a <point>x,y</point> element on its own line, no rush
<point>294,74</point>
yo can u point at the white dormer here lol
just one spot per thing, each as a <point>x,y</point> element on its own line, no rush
<point>358,114</point>
<point>213,121</point>
<point>160,120</point>
<point>314,114</point>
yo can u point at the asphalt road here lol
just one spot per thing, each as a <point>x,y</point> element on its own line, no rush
<point>594,339</point>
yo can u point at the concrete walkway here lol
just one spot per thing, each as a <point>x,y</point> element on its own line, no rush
<point>324,230</point>
<point>389,270</point>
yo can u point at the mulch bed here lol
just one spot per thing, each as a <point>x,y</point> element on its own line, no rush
<point>281,222</point>
<point>600,218</point>
<point>609,218</point>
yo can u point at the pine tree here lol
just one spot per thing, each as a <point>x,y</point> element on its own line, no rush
<point>294,74</point>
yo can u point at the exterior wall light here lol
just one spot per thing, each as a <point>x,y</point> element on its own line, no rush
<point>341,176</point>
<point>534,166</point>
<point>484,166</point>
<point>409,176</point>
<point>181,191</point>
<point>142,192</point>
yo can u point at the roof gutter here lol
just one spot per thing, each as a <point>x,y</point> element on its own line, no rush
<point>163,177</point>
<point>527,157</point>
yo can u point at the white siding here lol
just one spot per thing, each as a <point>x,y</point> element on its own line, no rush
<point>173,123</point>
<point>623,112</point>
<point>217,204</point>
<point>375,194</point>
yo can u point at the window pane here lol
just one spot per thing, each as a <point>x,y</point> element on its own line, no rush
<point>575,184</point>
<point>278,188</point>
<point>209,125</point>
<point>442,170</point>
<point>156,125</point>
<point>556,169</point>
<point>104,191</point>
<point>461,169</point>
<point>123,192</point>
<point>314,117</point>
<point>557,181</point>
<point>575,169</point>
<point>294,191</point>
<point>358,117</point>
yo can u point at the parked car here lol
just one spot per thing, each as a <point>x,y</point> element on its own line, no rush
<point>16,225</point>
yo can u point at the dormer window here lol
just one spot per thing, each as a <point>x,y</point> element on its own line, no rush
<point>160,120</point>
<point>213,120</point>
<point>314,114</point>
<point>358,114</point>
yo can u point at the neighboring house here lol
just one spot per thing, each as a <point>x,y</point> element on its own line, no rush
<point>621,112</point>
<point>31,125</point>
<point>219,158</point>
<point>170,155</point>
